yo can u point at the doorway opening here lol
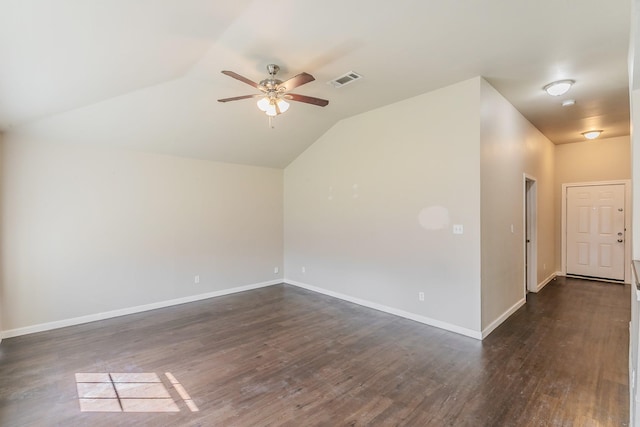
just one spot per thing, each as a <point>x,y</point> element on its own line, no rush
<point>530,235</point>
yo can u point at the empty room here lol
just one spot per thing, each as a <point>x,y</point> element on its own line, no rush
<point>281,213</point>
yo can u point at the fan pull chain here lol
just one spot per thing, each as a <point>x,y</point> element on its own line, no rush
<point>271,122</point>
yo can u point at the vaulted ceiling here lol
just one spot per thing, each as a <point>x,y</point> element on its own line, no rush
<point>145,74</point>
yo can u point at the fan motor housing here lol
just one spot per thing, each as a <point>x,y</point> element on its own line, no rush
<point>270,84</point>
<point>273,69</point>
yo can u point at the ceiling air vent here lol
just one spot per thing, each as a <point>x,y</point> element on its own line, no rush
<point>345,79</point>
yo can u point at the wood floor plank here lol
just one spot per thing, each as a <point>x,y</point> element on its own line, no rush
<point>283,356</point>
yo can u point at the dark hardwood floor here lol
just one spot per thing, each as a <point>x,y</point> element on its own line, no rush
<point>285,356</point>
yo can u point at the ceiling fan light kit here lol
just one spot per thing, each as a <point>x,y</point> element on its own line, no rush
<point>275,92</point>
<point>272,106</point>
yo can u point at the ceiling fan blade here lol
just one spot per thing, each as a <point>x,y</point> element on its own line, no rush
<point>295,81</point>
<point>308,99</point>
<point>241,78</point>
<point>236,98</point>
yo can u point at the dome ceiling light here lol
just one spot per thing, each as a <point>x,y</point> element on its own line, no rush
<point>592,134</point>
<point>559,87</point>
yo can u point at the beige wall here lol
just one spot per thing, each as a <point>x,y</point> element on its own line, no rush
<point>87,230</point>
<point>354,200</point>
<point>597,160</point>
<point>635,154</point>
<point>510,148</point>
<point>369,208</point>
<point>367,211</point>
<point>604,159</point>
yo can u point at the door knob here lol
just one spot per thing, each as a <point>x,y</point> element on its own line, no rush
<point>619,240</point>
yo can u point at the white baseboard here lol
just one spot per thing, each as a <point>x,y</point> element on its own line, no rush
<point>386,309</point>
<point>546,281</point>
<point>486,331</point>
<point>131,310</point>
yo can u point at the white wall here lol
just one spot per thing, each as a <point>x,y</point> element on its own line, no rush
<point>634,95</point>
<point>357,205</point>
<point>510,148</point>
<point>87,230</point>
<point>634,338</point>
<point>1,248</point>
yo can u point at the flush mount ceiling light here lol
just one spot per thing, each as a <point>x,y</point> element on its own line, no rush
<point>592,134</point>
<point>559,87</point>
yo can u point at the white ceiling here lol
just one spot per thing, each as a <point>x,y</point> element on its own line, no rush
<point>145,74</point>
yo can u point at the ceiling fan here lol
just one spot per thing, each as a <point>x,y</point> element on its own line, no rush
<point>275,93</point>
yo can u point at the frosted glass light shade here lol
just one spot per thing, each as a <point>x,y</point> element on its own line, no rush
<point>592,134</point>
<point>268,105</point>
<point>263,104</point>
<point>271,110</point>
<point>283,105</point>
<point>558,88</point>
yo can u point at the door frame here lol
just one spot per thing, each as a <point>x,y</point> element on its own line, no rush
<point>530,207</point>
<point>627,223</point>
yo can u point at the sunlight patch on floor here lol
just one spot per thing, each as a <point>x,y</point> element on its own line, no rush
<point>129,392</point>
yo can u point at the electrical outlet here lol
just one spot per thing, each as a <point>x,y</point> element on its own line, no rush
<point>275,270</point>
<point>196,279</point>
<point>421,296</point>
<point>304,270</point>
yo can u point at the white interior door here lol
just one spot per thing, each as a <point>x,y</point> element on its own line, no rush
<point>595,231</point>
